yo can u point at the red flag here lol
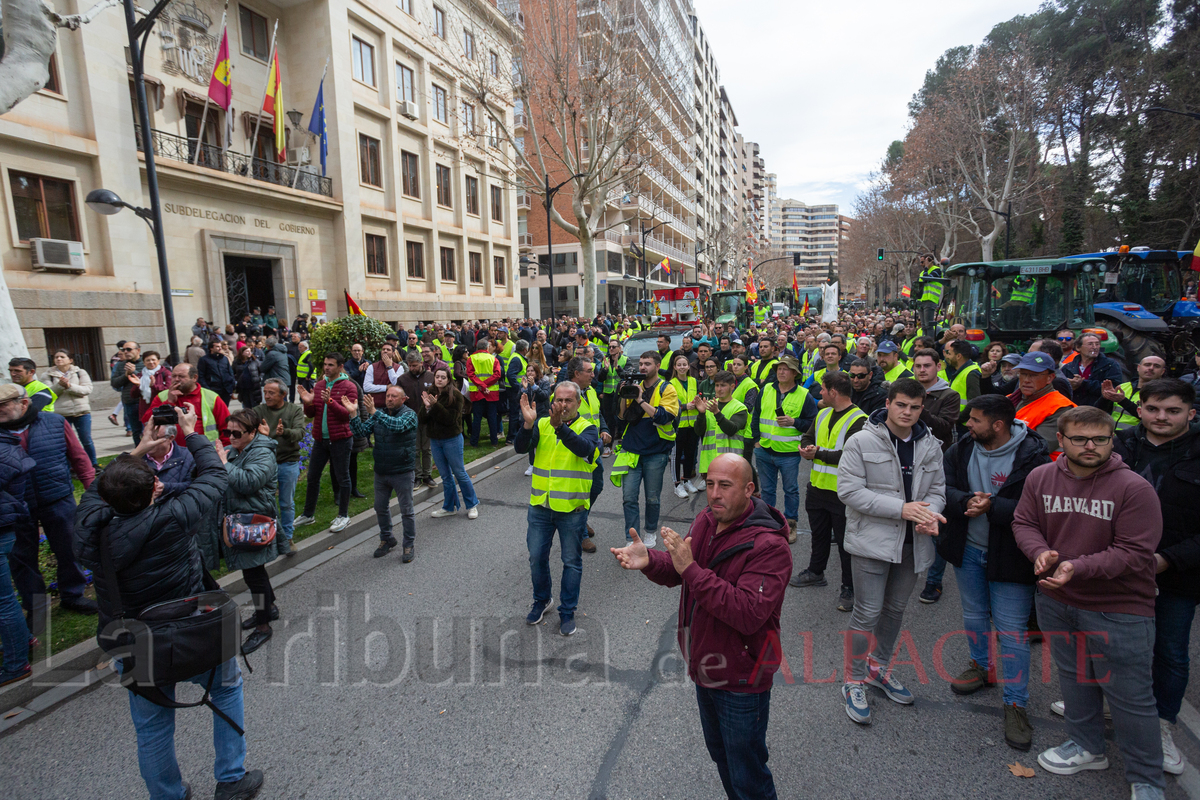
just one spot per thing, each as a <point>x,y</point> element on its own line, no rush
<point>352,306</point>
<point>273,105</point>
<point>220,86</point>
<point>804,311</point>
<point>1196,258</point>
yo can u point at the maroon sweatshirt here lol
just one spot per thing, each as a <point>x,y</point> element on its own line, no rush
<point>1107,525</point>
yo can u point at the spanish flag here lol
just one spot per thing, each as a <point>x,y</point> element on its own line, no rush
<point>804,311</point>
<point>795,285</point>
<point>220,86</point>
<point>1196,258</point>
<point>353,307</point>
<point>273,105</point>
<point>665,265</point>
<point>751,292</point>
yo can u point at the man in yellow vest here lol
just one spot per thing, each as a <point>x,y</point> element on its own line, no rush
<point>483,375</point>
<point>822,444</point>
<point>306,369</point>
<point>723,424</point>
<point>963,375</point>
<point>647,438</point>
<point>23,372</point>
<point>566,449</point>
<point>1126,397</point>
<point>887,356</point>
<point>763,370</point>
<point>582,372</point>
<point>784,411</point>
<point>514,367</point>
<point>931,290</point>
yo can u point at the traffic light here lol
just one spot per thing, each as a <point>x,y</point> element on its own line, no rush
<point>795,259</point>
<point>879,254</point>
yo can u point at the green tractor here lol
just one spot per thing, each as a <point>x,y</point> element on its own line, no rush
<point>732,307</point>
<point>1017,301</point>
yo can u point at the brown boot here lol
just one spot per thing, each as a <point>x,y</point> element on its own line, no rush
<point>588,545</point>
<point>791,534</point>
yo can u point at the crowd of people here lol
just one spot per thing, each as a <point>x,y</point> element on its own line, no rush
<point>1053,485</point>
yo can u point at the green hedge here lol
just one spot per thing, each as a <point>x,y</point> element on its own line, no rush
<point>339,334</point>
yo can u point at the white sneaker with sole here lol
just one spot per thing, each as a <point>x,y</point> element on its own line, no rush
<point>473,512</point>
<point>650,540</point>
<point>529,471</point>
<point>303,520</point>
<point>1060,708</point>
<point>1173,760</point>
<point>681,492</point>
<point>697,484</point>
<point>441,512</point>
<point>339,524</point>
<point>1069,758</point>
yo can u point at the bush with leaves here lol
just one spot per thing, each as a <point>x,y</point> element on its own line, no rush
<point>339,334</point>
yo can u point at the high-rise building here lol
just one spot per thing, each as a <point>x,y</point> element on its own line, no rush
<point>412,211</point>
<point>814,232</point>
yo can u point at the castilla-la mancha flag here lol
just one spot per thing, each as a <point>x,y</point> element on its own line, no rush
<point>220,87</point>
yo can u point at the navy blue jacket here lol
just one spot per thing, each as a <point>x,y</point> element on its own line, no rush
<point>1088,392</point>
<point>216,374</point>
<point>15,465</point>
<point>176,472</point>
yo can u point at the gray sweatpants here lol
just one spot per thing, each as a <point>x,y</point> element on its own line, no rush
<point>881,593</point>
<point>402,484</point>
<point>1106,655</point>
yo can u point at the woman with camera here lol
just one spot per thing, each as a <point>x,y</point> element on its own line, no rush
<point>441,413</point>
<point>252,474</point>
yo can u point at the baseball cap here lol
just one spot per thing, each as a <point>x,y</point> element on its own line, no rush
<point>1012,358</point>
<point>10,391</point>
<point>581,332</point>
<point>887,346</point>
<point>1036,362</point>
<point>897,328</point>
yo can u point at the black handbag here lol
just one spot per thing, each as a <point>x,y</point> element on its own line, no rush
<point>172,641</point>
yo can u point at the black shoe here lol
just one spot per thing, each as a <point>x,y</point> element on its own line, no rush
<point>846,599</point>
<point>247,787</point>
<point>252,643</point>
<point>408,555</point>
<point>287,548</point>
<point>187,791</point>
<point>385,546</point>
<point>930,594</point>
<point>430,482</point>
<point>358,494</point>
<point>252,622</point>
<point>80,605</point>
<point>808,578</point>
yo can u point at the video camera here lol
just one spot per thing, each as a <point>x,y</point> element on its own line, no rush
<point>630,386</point>
<point>164,415</point>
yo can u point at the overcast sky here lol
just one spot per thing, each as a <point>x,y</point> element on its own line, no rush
<point>824,87</point>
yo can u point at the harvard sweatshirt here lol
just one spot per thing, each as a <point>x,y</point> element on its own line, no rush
<point>1107,525</point>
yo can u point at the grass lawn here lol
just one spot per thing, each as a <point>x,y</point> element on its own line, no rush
<point>66,628</point>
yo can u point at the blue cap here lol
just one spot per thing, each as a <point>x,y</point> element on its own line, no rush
<point>581,332</point>
<point>502,330</point>
<point>1036,362</point>
<point>1012,358</point>
<point>887,346</point>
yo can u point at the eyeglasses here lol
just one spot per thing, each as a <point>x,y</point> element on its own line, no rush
<point>1066,338</point>
<point>128,349</point>
<point>1081,441</point>
<point>858,376</point>
<point>232,434</point>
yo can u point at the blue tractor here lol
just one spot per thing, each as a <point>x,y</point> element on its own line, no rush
<point>1147,302</point>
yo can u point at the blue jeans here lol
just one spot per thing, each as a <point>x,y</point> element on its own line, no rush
<point>539,537</point>
<point>1105,655</point>
<point>133,421</point>
<point>156,735</point>
<point>83,429</point>
<point>14,635</point>
<point>735,733</point>
<point>287,475</point>
<point>648,472</point>
<point>448,458</point>
<point>785,466</point>
<point>1007,605</point>
<point>934,576</point>
<point>1172,636</point>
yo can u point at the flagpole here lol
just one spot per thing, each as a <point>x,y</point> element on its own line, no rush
<point>207,100</point>
<point>296,177</point>
<point>258,109</point>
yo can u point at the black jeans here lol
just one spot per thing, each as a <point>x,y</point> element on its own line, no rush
<point>608,410</point>
<point>259,584</point>
<point>685,454</point>
<point>337,455</point>
<point>58,523</point>
<point>490,408</point>
<point>827,520</point>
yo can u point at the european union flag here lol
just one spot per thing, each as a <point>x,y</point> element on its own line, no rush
<point>316,124</point>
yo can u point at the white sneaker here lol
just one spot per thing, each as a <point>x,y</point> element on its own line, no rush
<point>607,453</point>
<point>339,524</point>
<point>681,492</point>
<point>473,512</point>
<point>697,484</point>
<point>304,520</point>
<point>1069,758</point>
<point>650,540</point>
<point>1060,708</point>
<point>441,512</point>
<point>687,487</point>
<point>529,471</point>
<point>1173,761</point>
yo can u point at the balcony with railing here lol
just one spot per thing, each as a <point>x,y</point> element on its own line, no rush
<point>524,201</point>
<point>170,147</point>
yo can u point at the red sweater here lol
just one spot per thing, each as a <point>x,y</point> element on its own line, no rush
<point>484,387</point>
<point>338,418</point>
<point>1107,525</point>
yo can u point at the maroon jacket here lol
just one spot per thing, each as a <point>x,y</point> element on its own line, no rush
<point>729,606</point>
<point>339,418</point>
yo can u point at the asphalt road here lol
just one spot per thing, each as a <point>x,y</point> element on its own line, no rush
<point>422,681</point>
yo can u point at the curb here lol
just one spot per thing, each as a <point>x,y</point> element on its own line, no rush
<point>60,676</point>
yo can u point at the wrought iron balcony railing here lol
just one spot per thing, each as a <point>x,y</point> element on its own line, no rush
<point>177,148</point>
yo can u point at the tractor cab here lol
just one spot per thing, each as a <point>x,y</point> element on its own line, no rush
<point>1017,301</point>
<point>732,307</point>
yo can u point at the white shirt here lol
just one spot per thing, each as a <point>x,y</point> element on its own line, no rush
<point>369,385</point>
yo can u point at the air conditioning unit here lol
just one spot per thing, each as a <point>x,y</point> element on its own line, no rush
<point>57,255</point>
<point>409,109</point>
<point>298,156</point>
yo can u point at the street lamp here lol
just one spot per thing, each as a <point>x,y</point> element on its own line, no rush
<point>641,252</point>
<point>548,202</point>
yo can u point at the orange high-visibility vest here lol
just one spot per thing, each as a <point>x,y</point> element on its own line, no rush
<point>1035,413</point>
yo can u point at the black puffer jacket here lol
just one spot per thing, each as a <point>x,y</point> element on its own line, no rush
<point>1005,562</point>
<point>15,465</point>
<point>154,552</point>
<point>1177,492</point>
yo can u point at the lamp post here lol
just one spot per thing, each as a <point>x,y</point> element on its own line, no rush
<point>548,202</point>
<point>645,269</point>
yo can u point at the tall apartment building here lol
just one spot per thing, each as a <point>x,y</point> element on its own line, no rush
<point>415,215</point>
<point>815,232</point>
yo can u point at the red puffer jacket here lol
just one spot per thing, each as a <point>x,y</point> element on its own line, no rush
<point>339,418</point>
<point>732,593</point>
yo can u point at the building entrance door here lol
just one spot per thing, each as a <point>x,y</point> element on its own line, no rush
<point>249,284</point>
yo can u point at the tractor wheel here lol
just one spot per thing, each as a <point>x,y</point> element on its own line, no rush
<point>1134,345</point>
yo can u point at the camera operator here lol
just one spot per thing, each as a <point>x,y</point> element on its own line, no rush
<point>648,411</point>
<point>157,559</point>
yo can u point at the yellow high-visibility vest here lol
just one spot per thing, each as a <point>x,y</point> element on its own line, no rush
<point>562,481</point>
<point>831,437</point>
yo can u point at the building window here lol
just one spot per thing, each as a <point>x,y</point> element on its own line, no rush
<point>468,119</point>
<point>498,277</point>
<point>494,63</point>
<point>469,45</point>
<point>376,254</point>
<point>410,174</point>
<point>475,264</point>
<point>439,23</point>
<point>369,171</point>
<point>405,6</point>
<point>448,264</point>
<point>439,104</point>
<point>53,84</point>
<point>493,133</point>
<point>255,40</point>
<point>414,253</point>
<point>473,196</point>
<point>405,84</point>
<point>497,204</point>
<point>443,186</point>
<point>44,207</point>
<point>362,57</point>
